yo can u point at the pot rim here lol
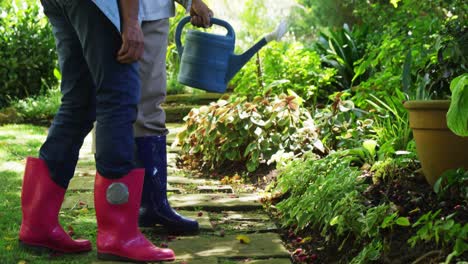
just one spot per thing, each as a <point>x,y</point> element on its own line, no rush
<point>427,104</point>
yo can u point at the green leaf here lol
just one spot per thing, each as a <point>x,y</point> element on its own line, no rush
<point>302,219</point>
<point>388,221</point>
<point>370,146</point>
<point>437,185</point>
<point>252,165</point>
<point>402,221</point>
<point>457,115</point>
<point>394,3</point>
<point>406,78</point>
<point>231,154</point>
<point>335,220</point>
<point>277,83</point>
<point>460,246</point>
<point>57,74</point>
<point>249,148</point>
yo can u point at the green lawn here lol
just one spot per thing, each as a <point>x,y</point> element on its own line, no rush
<point>16,143</point>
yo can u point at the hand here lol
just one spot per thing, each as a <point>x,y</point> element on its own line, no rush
<point>201,14</point>
<point>132,43</point>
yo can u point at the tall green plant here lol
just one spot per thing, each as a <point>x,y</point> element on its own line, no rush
<point>399,55</point>
<point>27,49</point>
<point>172,55</point>
<point>341,49</point>
<point>391,123</point>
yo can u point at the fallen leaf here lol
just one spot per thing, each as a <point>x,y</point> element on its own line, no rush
<point>71,231</point>
<point>414,211</point>
<point>243,239</point>
<point>298,251</point>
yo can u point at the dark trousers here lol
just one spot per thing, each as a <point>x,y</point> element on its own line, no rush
<point>95,87</point>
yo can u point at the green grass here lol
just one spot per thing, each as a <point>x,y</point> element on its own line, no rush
<point>16,143</point>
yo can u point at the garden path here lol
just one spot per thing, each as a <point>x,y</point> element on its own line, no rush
<point>224,212</point>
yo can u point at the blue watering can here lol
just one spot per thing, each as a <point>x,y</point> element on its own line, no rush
<point>208,61</point>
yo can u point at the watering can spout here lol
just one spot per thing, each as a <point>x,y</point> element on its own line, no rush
<point>236,62</point>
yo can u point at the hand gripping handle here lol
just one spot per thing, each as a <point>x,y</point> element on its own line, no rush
<point>185,20</point>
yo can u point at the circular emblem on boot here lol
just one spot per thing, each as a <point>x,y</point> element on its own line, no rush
<point>117,193</point>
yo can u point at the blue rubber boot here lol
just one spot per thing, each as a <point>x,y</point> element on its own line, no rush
<point>155,208</point>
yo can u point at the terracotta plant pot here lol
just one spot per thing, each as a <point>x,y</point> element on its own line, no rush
<point>438,148</point>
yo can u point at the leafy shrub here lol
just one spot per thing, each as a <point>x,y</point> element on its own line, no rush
<point>39,109</point>
<point>286,66</point>
<point>342,125</point>
<point>443,230</point>
<point>247,132</point>
<point>326,195</point>
<point>27,50</point>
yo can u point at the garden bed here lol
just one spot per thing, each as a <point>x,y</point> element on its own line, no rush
<point>412,197</point>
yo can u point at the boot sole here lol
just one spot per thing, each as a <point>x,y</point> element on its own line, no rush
<point>39,249</point>
<point>112,257</point>
<point>169,230</point>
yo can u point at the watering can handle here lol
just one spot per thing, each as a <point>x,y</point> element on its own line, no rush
<point>215,21</point>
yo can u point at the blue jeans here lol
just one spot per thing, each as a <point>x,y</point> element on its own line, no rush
<point>95,87</point>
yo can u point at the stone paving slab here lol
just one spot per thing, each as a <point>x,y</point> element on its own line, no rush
<point>266,245</point>
<point>217,202</point>
<point>171,157</point>
<point>266,261</point>
<point>257,221</point>
<point>192,261</point>
<point>246,226</point>
<point>195,181</point>
<point>174,149</point>
<point>84,183</point>
<point>241,216</point>
<point>210,260</point>
<point>84,171</point>
<point>209,202</point>
<point>213,260</point>
<point>215,189</point>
